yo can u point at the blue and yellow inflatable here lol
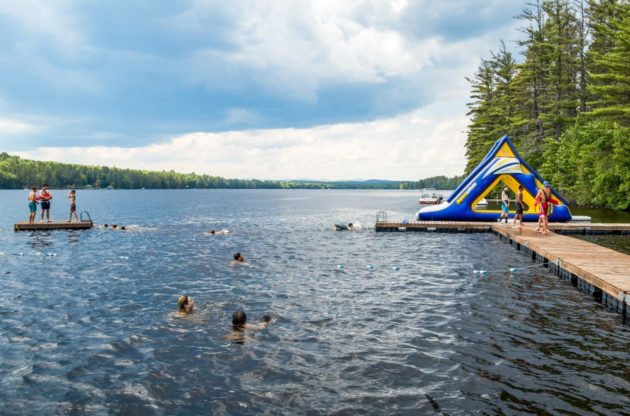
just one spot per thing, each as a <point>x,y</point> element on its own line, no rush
<point>501,164</point>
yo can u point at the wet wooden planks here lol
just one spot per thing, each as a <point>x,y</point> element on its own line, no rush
<point>53,225</point>
<point>602,267</point>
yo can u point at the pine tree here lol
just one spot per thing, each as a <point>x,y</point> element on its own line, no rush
<point>610,69</point>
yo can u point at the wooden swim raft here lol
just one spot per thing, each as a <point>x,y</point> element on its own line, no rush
<point>53,225</point>
<point>600,271</point>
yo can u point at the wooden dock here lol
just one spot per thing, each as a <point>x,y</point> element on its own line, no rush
<point>600,271</point>
<point>53,225</point>
<point>474,226</point>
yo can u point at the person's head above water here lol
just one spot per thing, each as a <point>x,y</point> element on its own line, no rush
<point>239,319</point>
<point>238,257</point>
<point>212,232</point>
<point>185,304</point>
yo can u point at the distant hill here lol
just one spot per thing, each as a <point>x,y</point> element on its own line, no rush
<point>18,173</point>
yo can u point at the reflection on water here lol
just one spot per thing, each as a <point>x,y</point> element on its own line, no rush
<point>91,331</point>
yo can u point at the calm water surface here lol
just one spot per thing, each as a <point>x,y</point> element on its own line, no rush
<point>86,324</point>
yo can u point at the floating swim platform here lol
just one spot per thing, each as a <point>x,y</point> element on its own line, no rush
<point>53,225</point>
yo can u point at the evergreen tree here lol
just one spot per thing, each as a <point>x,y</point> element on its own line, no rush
<point>610,68</point>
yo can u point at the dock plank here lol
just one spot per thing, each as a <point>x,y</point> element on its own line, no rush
<point>602,267</point>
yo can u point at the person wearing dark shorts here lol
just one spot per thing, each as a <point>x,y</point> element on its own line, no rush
<point>73,206</point>
<point>45,196</point>
<point>519,206</point>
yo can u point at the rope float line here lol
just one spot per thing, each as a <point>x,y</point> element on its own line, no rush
<point>341,267</point>
<point>514,269</point>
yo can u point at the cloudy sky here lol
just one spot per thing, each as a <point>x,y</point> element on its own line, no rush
<point>269,89</point>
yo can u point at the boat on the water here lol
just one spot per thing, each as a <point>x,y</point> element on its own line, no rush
<point>430,197</point>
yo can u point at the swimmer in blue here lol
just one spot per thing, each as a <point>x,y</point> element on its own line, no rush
<point>505,205</point>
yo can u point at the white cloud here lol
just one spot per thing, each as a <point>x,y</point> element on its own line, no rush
<point>11,126</point>
<point>295,48</point>
<point>418,144</point>
<point>50,19</point>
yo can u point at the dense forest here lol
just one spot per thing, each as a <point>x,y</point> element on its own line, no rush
<point>565,102</point>
<point>18,173</point>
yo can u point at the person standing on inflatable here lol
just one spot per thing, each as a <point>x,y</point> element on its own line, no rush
<point>45,196</point>
<point>543,199</point>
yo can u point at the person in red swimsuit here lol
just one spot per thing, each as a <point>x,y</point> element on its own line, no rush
<point>44,197</point>
<point>543,199</point>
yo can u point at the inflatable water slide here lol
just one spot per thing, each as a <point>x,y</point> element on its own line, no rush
<point>501,166</point>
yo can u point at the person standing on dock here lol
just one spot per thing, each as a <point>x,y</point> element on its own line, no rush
<point>45,196</point>
<point>544,198</point>
<point>519,206</point>
<point>73,206</point>
<point>32,204</point>
<point>505,205</point>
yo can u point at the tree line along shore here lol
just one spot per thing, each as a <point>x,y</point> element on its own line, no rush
<point>566,102</point>
<point>19,173</point>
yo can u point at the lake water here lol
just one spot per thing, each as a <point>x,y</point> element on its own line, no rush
<point>405,327</point>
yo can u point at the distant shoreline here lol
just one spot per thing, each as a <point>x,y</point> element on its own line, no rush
<point>18,173</point>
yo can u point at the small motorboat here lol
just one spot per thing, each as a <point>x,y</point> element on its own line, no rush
<point>482,203</point>
<point>430,198</point>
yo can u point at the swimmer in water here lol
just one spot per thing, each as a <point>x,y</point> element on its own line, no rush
<point>220,232</point>
<point>239,321</point>
<point>240,325</point>
<point>185,305</point>
<point>238,259</point>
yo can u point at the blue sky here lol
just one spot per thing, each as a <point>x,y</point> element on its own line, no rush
<point>266,89</point>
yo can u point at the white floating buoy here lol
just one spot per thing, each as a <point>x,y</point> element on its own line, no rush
<point>123,257</point>
<point>396,268</point>
<point>51,255</point>
<point>340,267</point>
<point>370,267</point>
<point>512,269</point>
